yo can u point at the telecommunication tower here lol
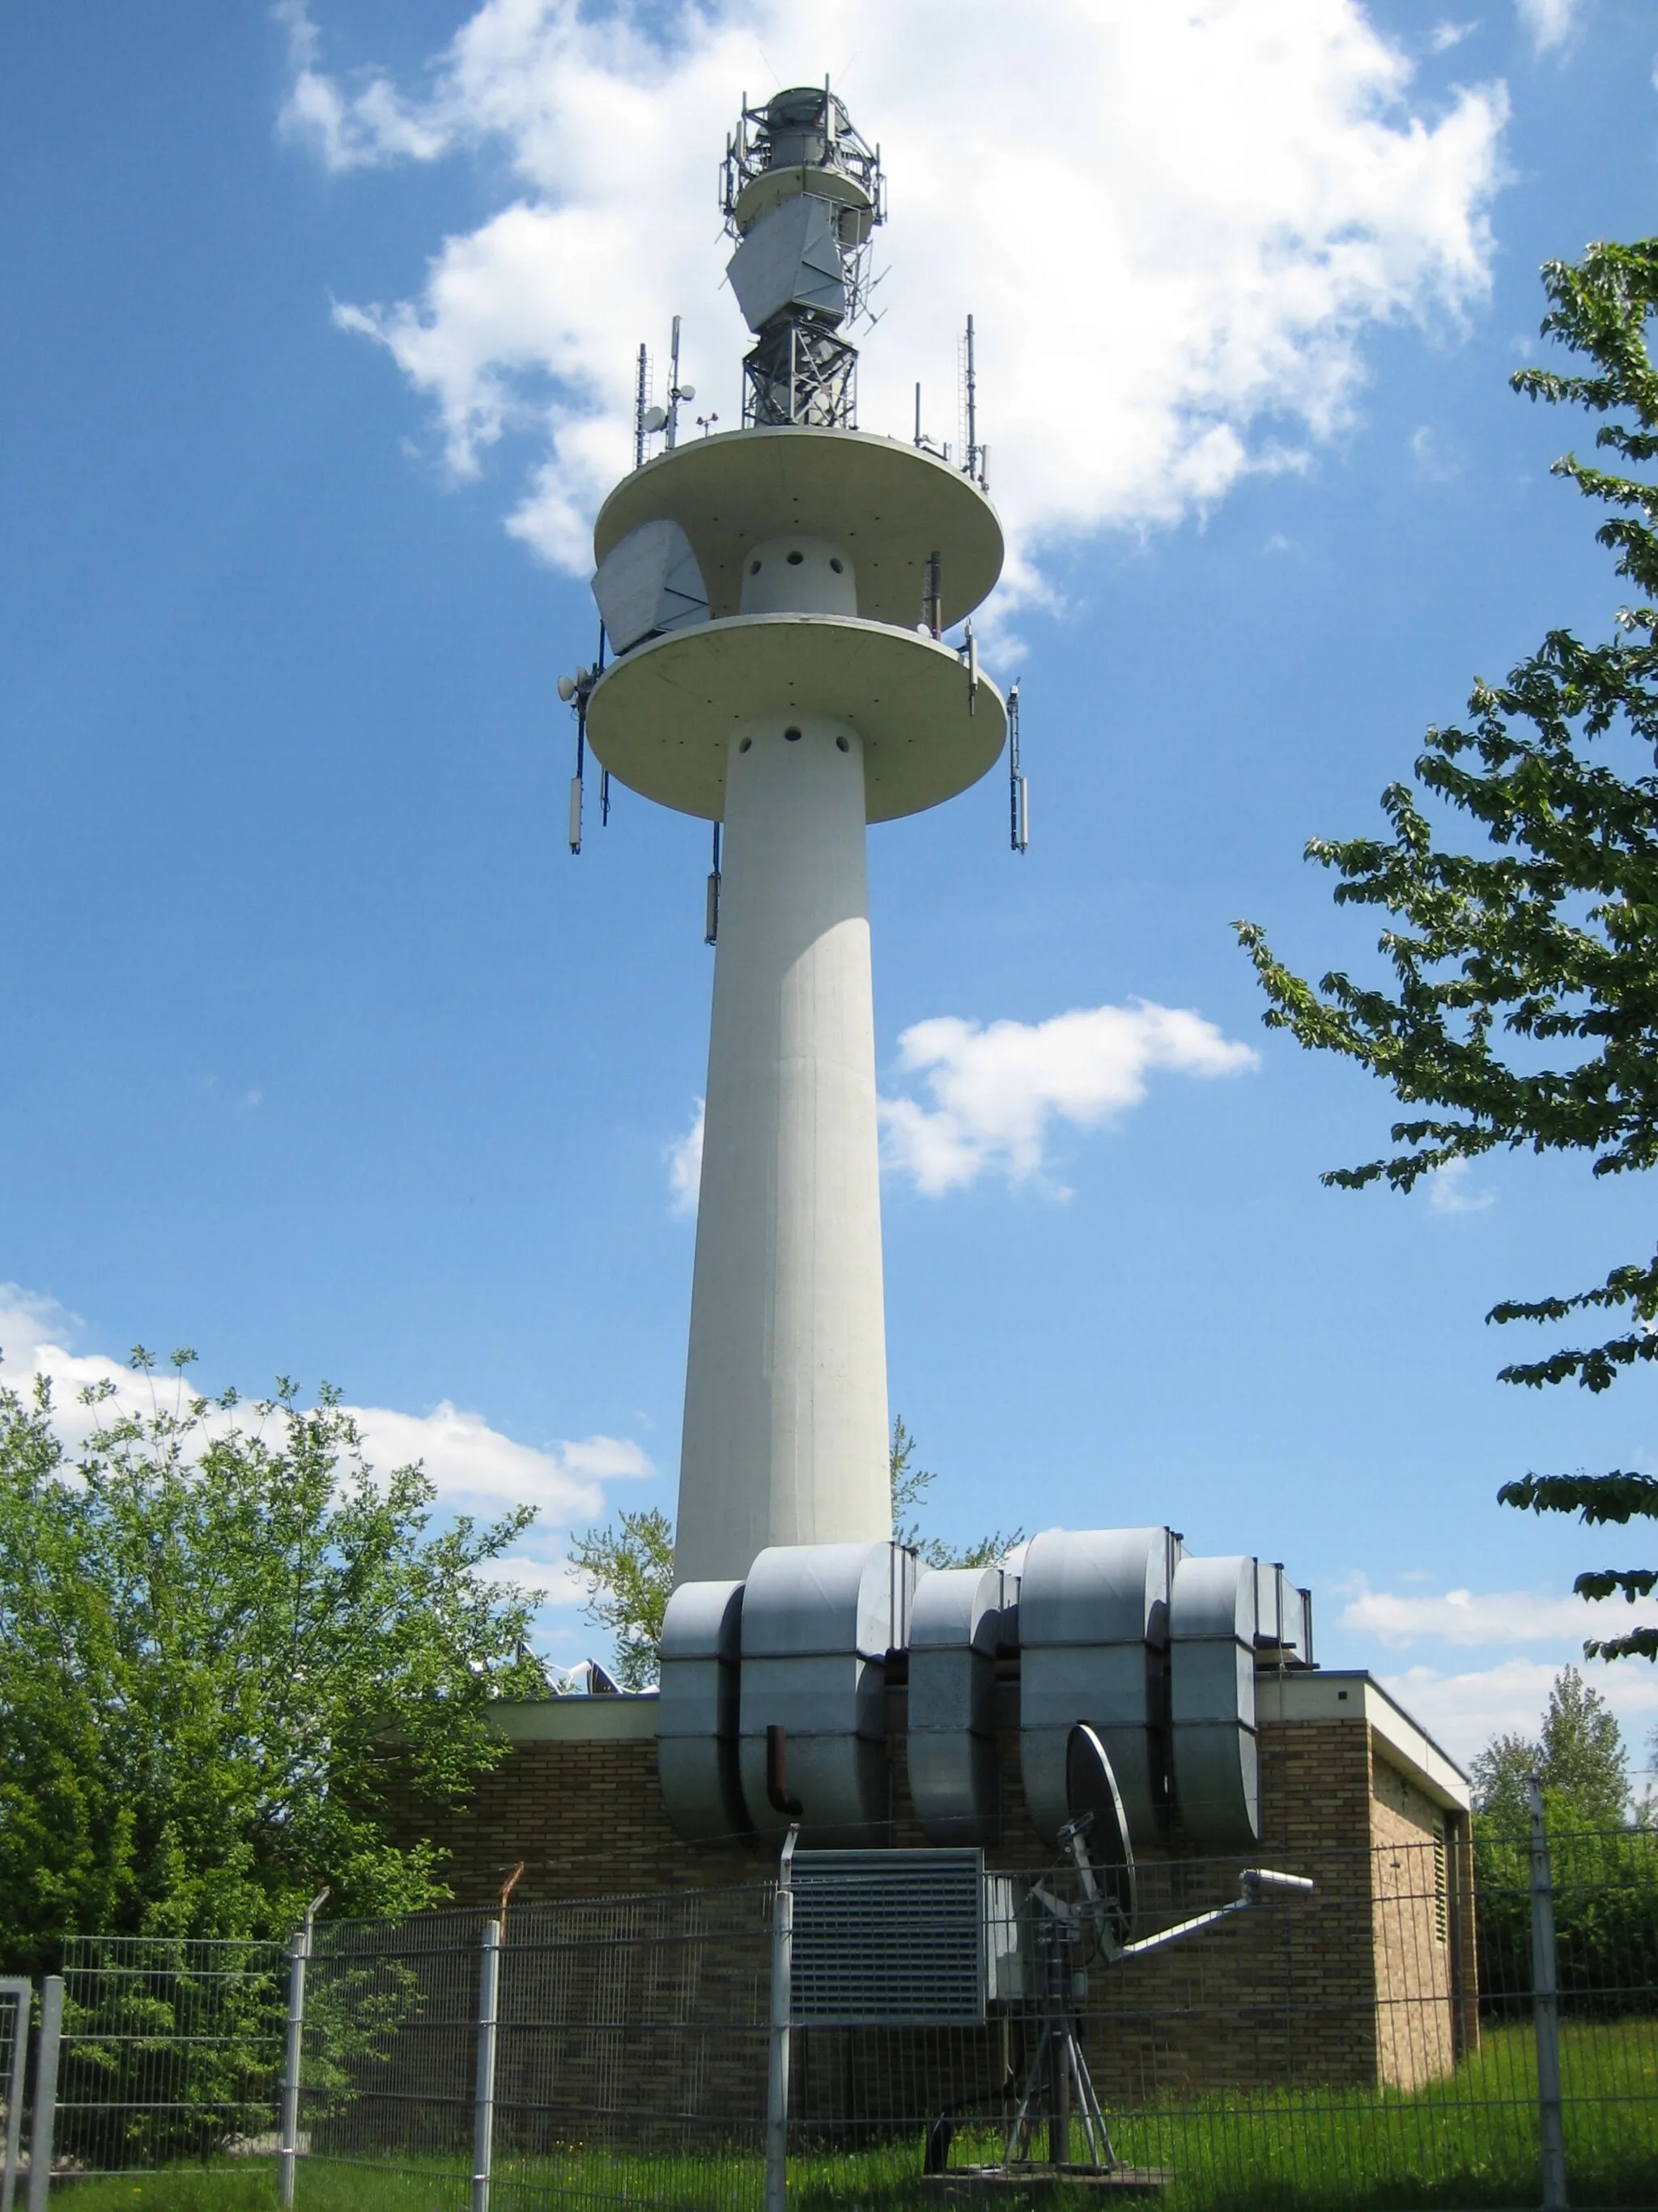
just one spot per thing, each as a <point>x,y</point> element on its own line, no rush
<point>775,599</point>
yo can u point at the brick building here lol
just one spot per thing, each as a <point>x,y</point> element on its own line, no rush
<point>1373,1981</point>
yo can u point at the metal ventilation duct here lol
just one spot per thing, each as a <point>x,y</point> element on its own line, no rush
<point>818,1620</point>
<point>1283,1617</point>
<point>1211,1667</point>
<point>955,1626</point>
<point>697,1712</point>
<point>1093,1633</point>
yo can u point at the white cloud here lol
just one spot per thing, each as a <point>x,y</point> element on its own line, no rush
<point>1464,1711</point>
<point>553,1583</point>
<point>997,1089</point>
<point>1448,1192</point>
<point>1174,227</point>
<point>1469,1617</point>
<point>1443,36</point>
<point>1547,23</point>
<point>1431,459</point>
<point>685,1158</point>
<point>473,1467</point>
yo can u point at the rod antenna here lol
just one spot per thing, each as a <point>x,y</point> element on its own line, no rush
<point>711,922</point>
<point>976,464</point>
<point>576,691</point>
<point>1019,786</point>
<point>677,391</point>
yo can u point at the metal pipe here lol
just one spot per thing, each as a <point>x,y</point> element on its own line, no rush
<point>46,2090</point>
<point>292,2052</point>
<point>23,1996</point>
<point>483,2123</point>
<point>1545,2012</point>
<point>782,1993</point>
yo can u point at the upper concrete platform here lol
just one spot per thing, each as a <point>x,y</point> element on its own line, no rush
<point>890,506</point>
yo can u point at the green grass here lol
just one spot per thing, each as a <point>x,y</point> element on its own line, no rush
<point>1469,2142</point>
<point>239,2185</point>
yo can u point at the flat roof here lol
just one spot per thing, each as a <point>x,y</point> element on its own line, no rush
<point>1318,1694</point>
<point>619,1716</point>
<point>1321,1693</point>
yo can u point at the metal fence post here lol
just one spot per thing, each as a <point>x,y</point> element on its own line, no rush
<point>783,1996</point>
<point>484,2126</point>
<point>46,2090</point>
<point>294,2052</point>
<point>1545,2012</point>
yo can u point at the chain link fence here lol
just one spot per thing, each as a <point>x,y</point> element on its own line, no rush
<point>1431,2026</point>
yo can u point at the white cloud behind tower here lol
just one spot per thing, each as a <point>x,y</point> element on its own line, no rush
<point>1175,227</point>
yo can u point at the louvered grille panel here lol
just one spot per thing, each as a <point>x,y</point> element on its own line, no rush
<point>889,1939</point>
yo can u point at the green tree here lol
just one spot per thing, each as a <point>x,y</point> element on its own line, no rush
<point>628,1565</point>
<point>1579,1756</point>
<point>1522,1013</point>
<point>910,1484</point>
<point>229,1654</point>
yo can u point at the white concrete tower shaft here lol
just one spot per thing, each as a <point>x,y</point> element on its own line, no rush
<point>784,1434</point>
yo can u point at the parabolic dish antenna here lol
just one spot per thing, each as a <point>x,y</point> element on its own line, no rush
<point>1096,1832</point>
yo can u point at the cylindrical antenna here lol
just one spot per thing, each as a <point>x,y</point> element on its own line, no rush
<point>1018,788</point>
<point>975,458</point>
<point>711,921</point>
<point>933,595</point>
<point>604,772</point>
<point>673,388</point>
<point>918,414</point>
<point>640,394</point>
<point>580,760</point>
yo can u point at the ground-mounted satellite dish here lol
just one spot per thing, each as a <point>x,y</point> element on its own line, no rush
<point>1097,1836</point>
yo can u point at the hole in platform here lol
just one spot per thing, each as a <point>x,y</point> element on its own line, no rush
<point>843,745</point>
<point>793,736</point>
<point>795,559</point>
<point>754,567</point>
<point>746,743</point>
<point>838,566</point>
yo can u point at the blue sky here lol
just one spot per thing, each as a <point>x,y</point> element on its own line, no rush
<point>323,1055</point>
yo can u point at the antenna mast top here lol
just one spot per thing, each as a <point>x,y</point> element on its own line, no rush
<point>801,192</point>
